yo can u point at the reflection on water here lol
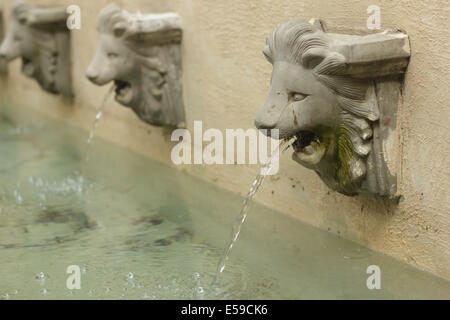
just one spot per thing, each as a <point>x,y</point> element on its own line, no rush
<point>147,231</point>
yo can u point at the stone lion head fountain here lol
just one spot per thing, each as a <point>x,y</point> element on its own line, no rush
<point>339,96</point>
<point>141,54</point>
<point>39,36</point>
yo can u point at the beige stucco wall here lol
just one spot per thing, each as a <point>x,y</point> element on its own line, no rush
<point>225,81</point>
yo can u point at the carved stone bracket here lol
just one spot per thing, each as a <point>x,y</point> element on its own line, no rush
<point>340,96</point>
<point>39,36</point>
<point>141,54</point>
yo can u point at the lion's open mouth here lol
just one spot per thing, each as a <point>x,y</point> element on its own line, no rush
<point>124,92</point>
<point>308,147</point>
<point>27,67</point>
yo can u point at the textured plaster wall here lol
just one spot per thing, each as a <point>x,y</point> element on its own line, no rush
<point>225,82</point>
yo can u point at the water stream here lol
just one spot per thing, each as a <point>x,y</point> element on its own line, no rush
<point>264,171</point>
<point>97,120</point>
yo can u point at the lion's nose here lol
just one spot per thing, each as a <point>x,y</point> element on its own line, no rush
<point>3,53</point>
<point>92,75</point>
<point>261,124</point>
<point>265,119</point>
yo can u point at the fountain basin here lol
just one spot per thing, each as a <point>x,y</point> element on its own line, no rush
<point>139,229</point>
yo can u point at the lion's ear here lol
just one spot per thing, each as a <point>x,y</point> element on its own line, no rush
<point>119,29</point>
<point>313,57</point>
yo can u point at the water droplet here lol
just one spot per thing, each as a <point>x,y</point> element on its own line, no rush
<point>199,292</point>
<point>39,182</point>
<point>44,291</point>
<point>130,276</point>
<point>18,197</point>
<point>146,296</point>
<point>41,276</point>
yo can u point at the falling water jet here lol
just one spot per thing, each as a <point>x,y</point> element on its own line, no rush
<point>264,171</point>
<point>97,120</point>
<point>91,137</point>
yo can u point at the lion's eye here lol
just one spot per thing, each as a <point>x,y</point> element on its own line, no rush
<point>112,55</point>
<point>296,96</point>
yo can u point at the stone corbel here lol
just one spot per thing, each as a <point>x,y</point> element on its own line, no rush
<point>340,96</point>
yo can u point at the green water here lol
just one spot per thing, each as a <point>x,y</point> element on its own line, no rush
<point>141,230</point>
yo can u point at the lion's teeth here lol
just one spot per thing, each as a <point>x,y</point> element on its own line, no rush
<point>308,149</point>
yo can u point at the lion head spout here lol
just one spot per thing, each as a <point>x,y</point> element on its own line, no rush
<point>313,98</point>
<point>141,55</point>
<point>39,37</point>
